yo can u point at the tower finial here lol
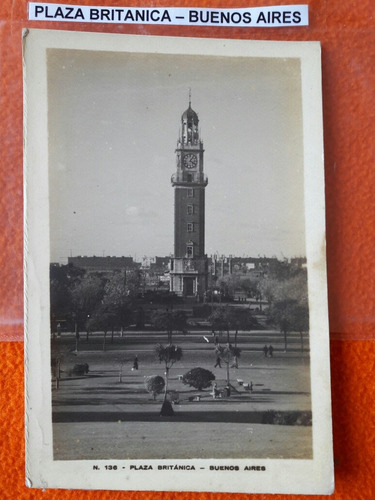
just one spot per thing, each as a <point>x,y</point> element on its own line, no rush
<point>189,97</point>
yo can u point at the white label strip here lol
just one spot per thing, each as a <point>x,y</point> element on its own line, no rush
<point>285,15</point>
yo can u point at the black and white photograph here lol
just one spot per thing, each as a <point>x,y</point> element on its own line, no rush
<point>175,264</point>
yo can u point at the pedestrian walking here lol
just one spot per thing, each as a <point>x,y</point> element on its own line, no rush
<point>135,363</point>
<point>218,362</point>
<point>215,392</point>
<point>265,350</point>
<point>251,387</point>
<point>270,351</point>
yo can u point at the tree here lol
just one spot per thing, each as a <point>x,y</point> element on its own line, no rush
<point>62,280</point>
<point>295,288</point>
<point>250,287</point>
<point>169,321</point>
<point>226,353</point>
<point>225,319</point>
<point>301,320</point>
<point>134,282</point>
<point>103,319</point>
<point>60,298</point>
<point>168,355</point>
<point>282,314</point>
<point>117,298</point>
<point>121,363</point>
<point>219,320</point>
<point>200,378</point>
<point>230,283</point>
<point>154,385</point>
<point>179,320</point>
<point>289,307</point>
<point>266,289</point>
<point>162,320</point>
<point>87,294</point>
<point>239,319</point>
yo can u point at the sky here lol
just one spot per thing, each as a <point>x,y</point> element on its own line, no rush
<point>113,123</point>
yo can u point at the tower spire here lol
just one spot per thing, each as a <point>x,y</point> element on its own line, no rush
<point>189,97</point>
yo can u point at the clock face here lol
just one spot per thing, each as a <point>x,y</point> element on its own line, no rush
<point>190,161</point>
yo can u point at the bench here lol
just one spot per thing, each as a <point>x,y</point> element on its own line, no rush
<point>194,398</point>
<point>175,397</point>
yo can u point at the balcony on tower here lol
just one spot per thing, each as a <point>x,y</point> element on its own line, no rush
<point>189,145</point>
<point>182,178</point>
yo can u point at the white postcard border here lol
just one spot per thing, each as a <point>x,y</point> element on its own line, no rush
<point>281,476</point>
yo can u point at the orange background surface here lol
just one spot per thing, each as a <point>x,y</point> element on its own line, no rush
<point>346,29</point>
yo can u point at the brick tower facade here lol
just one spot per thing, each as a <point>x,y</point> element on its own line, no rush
<point>189,266</point>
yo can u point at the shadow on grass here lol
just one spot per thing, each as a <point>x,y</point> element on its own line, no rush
<point>97,401</point>
<point>91,375</point>
<point>235,417</point>
<point>121,389</point>
<point>78,377</point>
<point>180,416</point>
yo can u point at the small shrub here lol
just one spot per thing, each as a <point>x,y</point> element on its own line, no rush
<point>81,369</point>
<point>305,418</point>
<point>287,418</point>
<point>268,417</point>
<point>154,385</point>
<point>282,418</point>
<point>199,378</point>
<point>202,311</point>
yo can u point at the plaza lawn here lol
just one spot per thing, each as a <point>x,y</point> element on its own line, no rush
<point>95,416</point>
<point>166,439</point>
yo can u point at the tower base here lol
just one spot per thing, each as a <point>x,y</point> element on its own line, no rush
<point>188,277</point>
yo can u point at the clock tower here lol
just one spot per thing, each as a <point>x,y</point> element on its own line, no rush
<point>189,266</point>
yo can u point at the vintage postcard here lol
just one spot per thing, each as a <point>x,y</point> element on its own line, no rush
<point>175,284</point>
